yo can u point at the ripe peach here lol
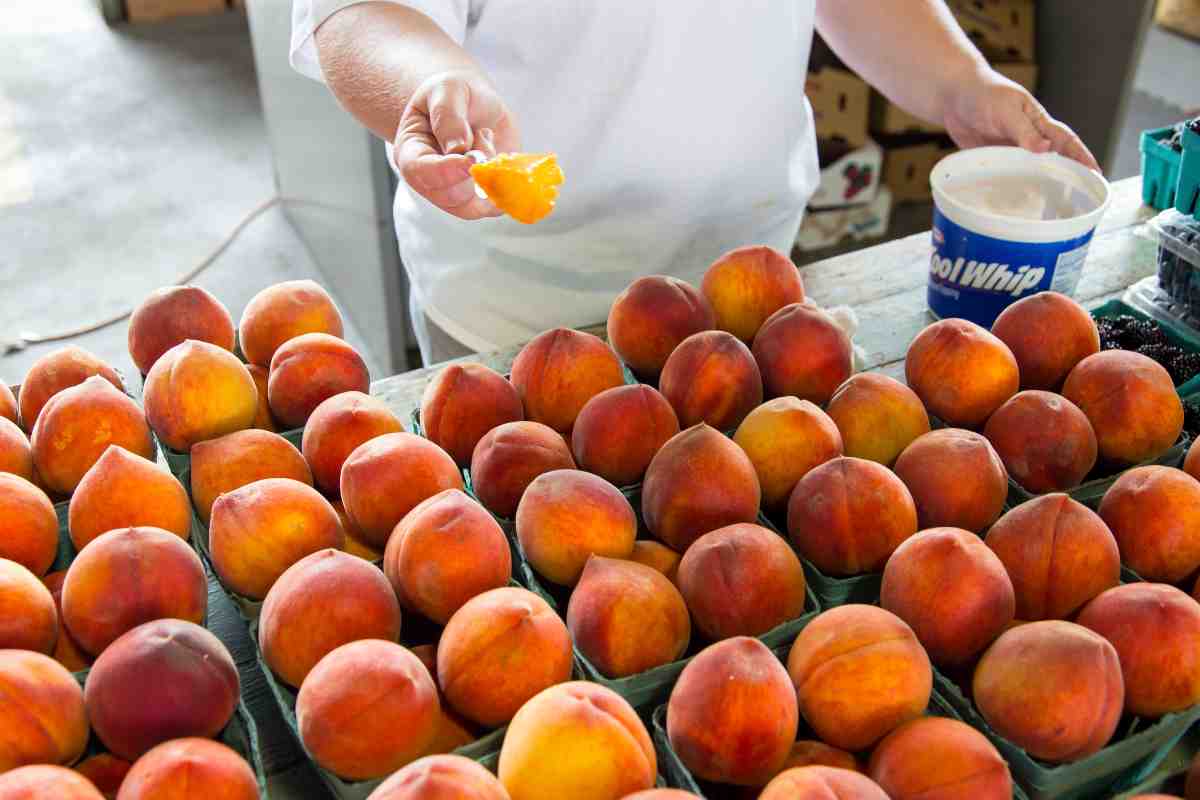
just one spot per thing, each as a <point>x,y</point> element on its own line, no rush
<point>162,680</point>
<point>66,651</point>
<point>308,370</point>
<point>711,377</point>
<point>1191,463</point>
<point>802,352</point>
<point>558,371</point>
<point>699,481</point>
<point>1048,333</point>
<point>820,783</point>
<point>197,391</point>
<point>619,431</point>
<point>43,717</point>
<point>462,403</point>
<point>172,315</point>
<point>810,752</point>
<point>262,528</point>
<point>785,438</point>
<point>263,420</point>
<point>866,653</point>
<point>16,454</point>
<point>66,367</point>
<point>28,620</point>
<point>339,425</point>
<point>1044,440</point>
<point>952,591</point>
<point>961,372</point>
<point>39,781</point>
<point>627,618</point>
<point>1154,513</point>
<point>747,285</point>
<point>123,490</point>
<point>741,580</point>
<point>8,403</point>
<point>444,552</point>
<point>367,709</point>
<point>592,736</point>
<point>1058,554</point>
<point>651,317</point>
<point>451,731</point>
<point>77,425</point>
<point>732,715</point>
<point>231,461</point>
<point>355,544</point>
<point>281,312</point>
<point>1071,710</point>
<point>878,417</point>
<point>1130,401</point>
<point>955,478</point>
<point>500,649</point>
<point>190,767</point>
<point>848,515</point>
<point>30,535</point>
<point>441,777</point>
<point>105,771</point>
<point>386,477</point>
<point>657,556</point>
<point>509,457</point>
<point>939,757</point>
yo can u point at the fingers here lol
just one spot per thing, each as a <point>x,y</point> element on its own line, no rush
<point>1026,127</point>
<point>1065,142</point>
<point>449,105</point>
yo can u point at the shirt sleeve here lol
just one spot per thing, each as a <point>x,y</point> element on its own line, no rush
<point>307,15</point>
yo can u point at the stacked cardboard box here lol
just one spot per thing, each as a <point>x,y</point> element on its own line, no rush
<point>139,11</point>
<point>1180,16</point>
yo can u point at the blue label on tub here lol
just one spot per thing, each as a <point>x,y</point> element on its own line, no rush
<point>976,277</point>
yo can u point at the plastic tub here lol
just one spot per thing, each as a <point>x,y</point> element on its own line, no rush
<point>984,261</point>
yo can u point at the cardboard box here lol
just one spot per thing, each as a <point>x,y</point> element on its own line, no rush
<point>849,178</point>
<point>821,229</point>
<point>889,118</point>
<point>1002,29</point>
<point>157,10</point>
<point>906,169</point>
<point>1180,16</point>
<point>841,104</point>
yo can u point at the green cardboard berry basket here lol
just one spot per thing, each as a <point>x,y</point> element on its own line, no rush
<point>1160,168</point>
<point>1187,191</point>
<point>1170,776</point>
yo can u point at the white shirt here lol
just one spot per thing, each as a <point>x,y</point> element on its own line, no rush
<point>682,129</point>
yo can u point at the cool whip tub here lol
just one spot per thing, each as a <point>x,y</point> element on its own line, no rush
<point>1008,223</point>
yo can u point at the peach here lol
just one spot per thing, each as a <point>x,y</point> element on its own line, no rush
<point>619,431</point>
<point>8,403</point>
<point>952,590</point>
<point>16,454</point>
<point>1071,710</point>
<point>1130,401</point>
<point>162,680</point>
<point>105,771</point>
<point>338,426</point>
<point>566,516</point>
<point>43,717</point>
<point>28,619</point>
<point>39,781</point>
<point>197,391</point>
<point>558,371</point>
<point>231,461</point>
<point>961,372</point>
<point>187,768</point>
<point>500,649</point>
<point>1154,513</point>
<point>592,736</point>
<point>172,315</point>
<point>657,556</point>
<point>1048,333</point>
<point>937,757</point>
<point>732,715</point>
<point>651,317</point>
<point>462,403</point>
<point>366,709</point>
<point>309,369</point>
<point>127,577</point>
<point>1155,629</point>
<point>441,777</point>
<point>699,481</point>
<point>1044,440</point>
<point>66,367</point>
<point>1191,462</point>
<point>262,528</point>
<point>821,783</point>
<point>386,477</point>
<point>747,285</point>
<point>452,731</point>
<point>877,416</point>
<point>124,490</point>
<point>444,552</point>
<point>262,417</point>
<point>77,425</point>
<point>810,752</point>
<point>627,618</point>
<point>848,515</point>
<point>866,653</point>
<point>509,457</point>
<point>802,352</point>
<point>741,580</point>
<point>30,535</point>
<point>1058,554</point>
<point>785,438</point>
<point>712,378</point>
<point>355,545</point>
<point>956,479</point>
<point>66,651</point>
<point>282,312</point>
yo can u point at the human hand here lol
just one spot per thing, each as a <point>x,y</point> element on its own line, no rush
<point>450,114</point>
<point>994,110</point>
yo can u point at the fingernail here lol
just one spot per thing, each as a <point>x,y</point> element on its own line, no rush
<point>455,145</point>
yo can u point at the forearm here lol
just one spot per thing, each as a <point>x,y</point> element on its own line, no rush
<point>912,51</point>
<point>375,55</point>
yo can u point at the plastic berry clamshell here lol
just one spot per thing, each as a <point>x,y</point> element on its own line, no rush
<point>1172,297</point>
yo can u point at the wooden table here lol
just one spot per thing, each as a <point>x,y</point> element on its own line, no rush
<point>885,285</point>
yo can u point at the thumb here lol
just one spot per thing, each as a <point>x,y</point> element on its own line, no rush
<point>448,103</point>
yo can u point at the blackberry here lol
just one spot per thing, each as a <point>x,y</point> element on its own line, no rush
<point>1163,354</point>
<point>1191,419</point>
<point>1139,332</point>
<point>1184,367</point>
<point>1194,125</point>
